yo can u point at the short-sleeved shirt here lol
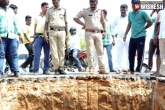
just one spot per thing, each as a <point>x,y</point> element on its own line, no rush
<point>8,23</point>
<point>74,42</point>
<point>56,17</point>
<point>107,40</point>
<point>154,22</point>
<point>138,22</point>
<point>93,19</point>
<point>40,22</point>
<point>28,31</point>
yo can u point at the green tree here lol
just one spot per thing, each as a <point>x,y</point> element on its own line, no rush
<point>82,41</point>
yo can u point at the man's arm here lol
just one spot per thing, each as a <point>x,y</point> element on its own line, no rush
<point>16,28</point>
<point>157,24</point>
<point>147,17</point>
<point>46,26</point>
<point>27,37</point>
<point>114,24</point>
<point>127,30</point>
<point>153,11</point>
<point>35,26</point>
<point>66,24</point>
<point>149,24</point>
<point>78,21</point>
<point>46,31</point>
<point>157,31</point>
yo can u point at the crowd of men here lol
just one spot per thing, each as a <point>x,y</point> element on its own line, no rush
<point>51,34</point>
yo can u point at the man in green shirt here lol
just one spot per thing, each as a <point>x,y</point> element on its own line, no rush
<point>8,41</point>
<point>108,43</point>
<point>137,20</point>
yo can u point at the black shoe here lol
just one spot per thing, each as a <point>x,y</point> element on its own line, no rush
<point>61,71</point>
<point>30,71</point>
<point>56,72</point>
<point>113,71</point>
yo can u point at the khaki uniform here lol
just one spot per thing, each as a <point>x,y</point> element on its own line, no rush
<point>93,20</point>
<point>57,19</point>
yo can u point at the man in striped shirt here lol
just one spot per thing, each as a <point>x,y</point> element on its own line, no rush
<point>8,41</point>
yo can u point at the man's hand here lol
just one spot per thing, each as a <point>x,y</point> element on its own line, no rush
<point>20,39</point>
<point>66,37</point>
<point>113,42</point>
<point>124,38</point>
<point>104,34</point>
<point>155,39</point>
<point>84,26</point>
<point>46,38</point>
<point>0,40</point>
<point>116,35</point>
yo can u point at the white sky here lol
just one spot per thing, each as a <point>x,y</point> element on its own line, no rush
<point>32,7</point>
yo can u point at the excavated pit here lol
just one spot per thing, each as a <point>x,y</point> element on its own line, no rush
<point>83,93</point>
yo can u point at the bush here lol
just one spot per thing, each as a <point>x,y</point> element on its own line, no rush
<point>82,41</point>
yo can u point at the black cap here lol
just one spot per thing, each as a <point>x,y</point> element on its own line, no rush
<point>135,1</point>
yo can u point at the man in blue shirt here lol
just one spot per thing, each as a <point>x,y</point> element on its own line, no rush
<point>137,20</point>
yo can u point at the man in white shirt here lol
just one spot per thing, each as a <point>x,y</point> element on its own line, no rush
<point>118,29</point>
<point>161,36</point>
<point>74,44</point>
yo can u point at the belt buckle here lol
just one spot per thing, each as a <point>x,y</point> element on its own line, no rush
<point>95,31</point>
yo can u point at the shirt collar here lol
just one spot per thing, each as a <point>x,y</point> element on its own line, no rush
<point>41,14</point>
<point>7,7</point>
<point>56,8</point>
<point>93,11</point>
<point>136,12</point>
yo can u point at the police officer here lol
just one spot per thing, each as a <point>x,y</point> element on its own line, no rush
<point>93,18</point>
<point>56,20</point>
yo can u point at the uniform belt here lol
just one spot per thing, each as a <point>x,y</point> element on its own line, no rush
<point>58,29</point>
<point>39,34</point>
<point>93,30</point>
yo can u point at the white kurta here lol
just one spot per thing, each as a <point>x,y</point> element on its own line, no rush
<point>119,27</point>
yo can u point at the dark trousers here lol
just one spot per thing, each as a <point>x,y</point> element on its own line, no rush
<point>29,60</point>
<point>136,44</point>
<point>38,45</point>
